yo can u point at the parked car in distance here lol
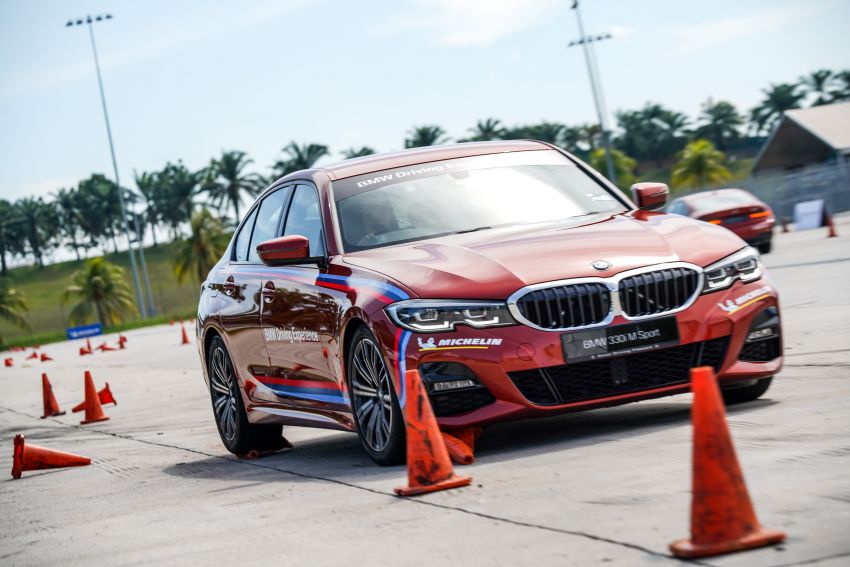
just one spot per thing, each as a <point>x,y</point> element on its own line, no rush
<point>516,280</point>
<point>741,212</point>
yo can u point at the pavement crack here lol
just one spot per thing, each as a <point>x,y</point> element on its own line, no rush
<point>518,523</point>
<point>816,559</point>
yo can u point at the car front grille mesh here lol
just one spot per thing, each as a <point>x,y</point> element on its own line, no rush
<point>566,306</point>
<point>657,292</point>
<point>582,381</point>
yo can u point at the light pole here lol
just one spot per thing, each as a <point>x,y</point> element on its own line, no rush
<point>596,86</point>
<point>89,20</point>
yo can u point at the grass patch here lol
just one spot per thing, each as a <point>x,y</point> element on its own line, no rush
<point>48,316</point>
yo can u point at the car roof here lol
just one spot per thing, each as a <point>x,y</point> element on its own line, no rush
<point>413,156</point>
<point>715,192</point>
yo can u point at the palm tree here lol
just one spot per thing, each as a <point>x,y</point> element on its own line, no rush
<point>298,157</point>
<point>226,180</point>
<point>720,123</point>
<point>487,129</point>
<point>841,90</point>
<point>624,166</point>
<point>101,221</point>
<point>11,233</point>
<point>699,165</point>
<point>149,186</point>
<point>68,208</point>
<point>428,135</point>
<point>197,254</point>
<point>179,187</point>
<point>777,99</point>
<point>12,306</point>
<point>39,225</point>
<point>651,133</point>
<point>817,84</point>
<point>99,286</point>
<point>357,152</point>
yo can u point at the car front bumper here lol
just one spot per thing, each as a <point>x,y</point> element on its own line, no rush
<point>507,361</point>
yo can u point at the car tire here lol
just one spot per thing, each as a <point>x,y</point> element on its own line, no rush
<point>765,247</point>
<point>237,434</point>
<point>746,393</point>
<point>381,434</point>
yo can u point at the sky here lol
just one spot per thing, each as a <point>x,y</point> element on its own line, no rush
<point>188,79</point>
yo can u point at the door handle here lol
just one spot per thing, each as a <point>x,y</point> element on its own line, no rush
<point>229,285</point>
<point>268,292</point>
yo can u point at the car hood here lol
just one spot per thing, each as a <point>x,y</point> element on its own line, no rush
<point>492,264</point>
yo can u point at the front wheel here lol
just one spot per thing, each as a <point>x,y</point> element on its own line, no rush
<point>377,415</point>
<point>746,393</point>
<point>237,433</point>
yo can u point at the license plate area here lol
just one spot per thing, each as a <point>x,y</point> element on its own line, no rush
<point>620,340</point>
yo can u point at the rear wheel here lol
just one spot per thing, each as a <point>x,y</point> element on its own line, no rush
<point>237,433</point>
<point>746,393</point>
<point>765,247</point>
<point>377,415</point>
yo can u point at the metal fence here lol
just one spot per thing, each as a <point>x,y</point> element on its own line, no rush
<point>783,190</point>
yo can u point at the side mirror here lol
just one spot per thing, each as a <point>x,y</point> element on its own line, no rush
<point>650,196</point>
<point>291,249</point>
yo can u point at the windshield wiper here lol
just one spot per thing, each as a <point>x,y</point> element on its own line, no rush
<point>473,229</point>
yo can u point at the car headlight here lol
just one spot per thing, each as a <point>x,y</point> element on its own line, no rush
<point>434,316</point>
<point>744,265</point>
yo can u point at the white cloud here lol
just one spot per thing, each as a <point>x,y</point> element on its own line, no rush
<point>698,37</point>
<point>471,22</point>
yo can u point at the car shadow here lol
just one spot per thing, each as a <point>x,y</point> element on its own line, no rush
<point>338,456</point>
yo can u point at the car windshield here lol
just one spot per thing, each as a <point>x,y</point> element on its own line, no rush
<point>464,195</point>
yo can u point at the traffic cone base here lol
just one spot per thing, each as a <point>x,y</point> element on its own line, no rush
<point>94,412</point>
<point>34,458</point>
<point>722,515</point>
<point>761,537</point>
<point>45,358</point>
<point>429,467</point>
<point>8,362</point>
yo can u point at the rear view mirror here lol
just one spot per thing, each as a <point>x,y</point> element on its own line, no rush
<point>291,249</point>
<point>650,196</point>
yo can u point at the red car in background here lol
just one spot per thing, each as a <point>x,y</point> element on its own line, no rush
<point>517,280</point>
<point>741,212</point>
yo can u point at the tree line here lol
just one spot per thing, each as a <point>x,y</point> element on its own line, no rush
<point>199,208</point>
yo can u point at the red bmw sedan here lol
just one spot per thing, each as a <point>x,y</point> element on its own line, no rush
<point>512,276</point>
<point>741,212</point>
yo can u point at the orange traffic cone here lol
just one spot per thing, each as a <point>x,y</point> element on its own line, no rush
<point>32,356</point>
<point>51,408</point>
<point>34,458</point>
<point>7,362</point>
<point>461,444</point>
<point>105,347</point>
<point>45,358</point>
<point>722,516</point>
<point>92,404</point>
<point>84,351</point>
<point>171,322</point>
<point>104,396</point>
<point>429,467</point>
<point>88,345</point>
<point>121,341</point>
<point>185,337</point>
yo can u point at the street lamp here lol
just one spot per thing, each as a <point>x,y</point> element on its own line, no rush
<point>596,86</point>
<point>89,20</point>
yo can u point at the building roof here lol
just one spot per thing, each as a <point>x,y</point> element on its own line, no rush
<point>807,135</point>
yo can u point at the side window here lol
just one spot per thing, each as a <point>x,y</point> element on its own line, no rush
<point>304,218</point>
<point>268,220</point>
<point>240,252</point>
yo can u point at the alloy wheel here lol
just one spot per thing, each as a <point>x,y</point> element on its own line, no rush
<point>224,401</point>
<point>372,397</point>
